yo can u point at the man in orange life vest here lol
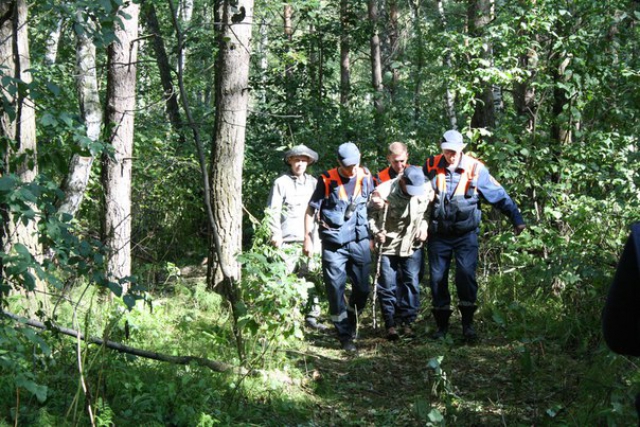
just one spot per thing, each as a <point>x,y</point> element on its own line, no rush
<point>459,180</point>
<point>397,157</point>
<point>340,203</point>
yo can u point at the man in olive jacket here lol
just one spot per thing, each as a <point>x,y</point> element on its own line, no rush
<point>400,229</point>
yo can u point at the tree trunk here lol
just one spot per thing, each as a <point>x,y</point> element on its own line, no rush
<point>17,120</point>
<point>449,98</point>
<point>186,13</point>
<point>345,51</point>
<point>75,183</point>
<point>290,90</point>
<point>481,13</point>
<point>232,96</point>
<point>52,43</point>
<point>376,65</point>
<point>171,96</point>
<point>116,169</point>
<point>394,47</point>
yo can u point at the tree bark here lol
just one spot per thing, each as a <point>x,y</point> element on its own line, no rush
<point>18,121</point>
<point>290,90</point>
<point>449,98</point>
<point>227,157</point>
<point>394,47</point>
<point>52,43</point>
<point>171,97</point>
<point>481,13</point>
<point>345,51</point>
<point>116,169</point>
<point>376,67</point>
<point>75,183</point>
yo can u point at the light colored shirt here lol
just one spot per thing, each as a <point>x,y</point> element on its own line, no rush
<point>287,204</point>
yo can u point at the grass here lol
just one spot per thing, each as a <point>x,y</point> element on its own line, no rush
<point>514,376</point>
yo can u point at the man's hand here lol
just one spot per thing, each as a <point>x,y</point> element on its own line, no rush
<point>518,229</point>
<point>421,236</point>
<point>376,201</point>
<point>381,237</point>
<point>307,246</point>
<point>276,242</point>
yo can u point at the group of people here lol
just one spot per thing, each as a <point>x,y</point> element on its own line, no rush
<point>394,212</point>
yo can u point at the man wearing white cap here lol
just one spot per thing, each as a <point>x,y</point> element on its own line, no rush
<point>459,180</point>
<point>340,203</point>
<point>287,205</point>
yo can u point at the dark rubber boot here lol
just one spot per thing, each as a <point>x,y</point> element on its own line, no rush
<point>468,332</point>
<point>441,315</point>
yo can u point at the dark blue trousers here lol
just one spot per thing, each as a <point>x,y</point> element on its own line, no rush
<point>441,250</point>
<point>399,288</point>
<point>353,261</point>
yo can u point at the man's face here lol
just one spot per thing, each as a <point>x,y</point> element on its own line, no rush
<point>348,171</point>
<point>298,164</point>
<point>452,157</point>
<point>398,162</point>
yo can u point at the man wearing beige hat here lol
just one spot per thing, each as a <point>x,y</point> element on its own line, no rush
<point>287,205</point>
<point>458,181</point>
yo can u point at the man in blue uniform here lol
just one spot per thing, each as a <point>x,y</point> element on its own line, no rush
<point>458,181</point>
<point>340,204</point>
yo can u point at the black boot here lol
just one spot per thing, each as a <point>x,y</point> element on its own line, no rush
<point>466,311</point>
<point>441,315</point>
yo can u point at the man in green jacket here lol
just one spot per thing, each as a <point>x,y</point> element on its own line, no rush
<point>400,229</point>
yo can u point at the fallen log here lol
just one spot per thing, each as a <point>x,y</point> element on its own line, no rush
<point>122,348</point>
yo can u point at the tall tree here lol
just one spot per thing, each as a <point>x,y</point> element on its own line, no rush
<point>116,167</point>
<point>234,20</point>
<point>376,68</point>
<point>164,67</point>
<point>75,183</point>
<point>449,99</point>
<point>481,13</point>
<point>345,51</point>
<point>17,120</point>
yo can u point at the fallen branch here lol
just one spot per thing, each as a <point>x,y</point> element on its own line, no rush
<point>178,360</point>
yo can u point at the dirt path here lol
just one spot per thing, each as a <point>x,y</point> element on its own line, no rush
<point>417,381</point>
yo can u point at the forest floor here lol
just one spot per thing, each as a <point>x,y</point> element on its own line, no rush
<point>418,381</point>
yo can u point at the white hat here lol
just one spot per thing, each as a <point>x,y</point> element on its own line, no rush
<point>452,140</point>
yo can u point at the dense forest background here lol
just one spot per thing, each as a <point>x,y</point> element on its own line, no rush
<point>546,91</point>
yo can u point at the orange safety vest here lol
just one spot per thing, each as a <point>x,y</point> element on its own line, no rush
<point>468,180</point>
<point>334,176</point>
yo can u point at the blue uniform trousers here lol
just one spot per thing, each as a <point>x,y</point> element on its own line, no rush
<point>399,288</point>
<point>352,260</point>
<point>441,249</point>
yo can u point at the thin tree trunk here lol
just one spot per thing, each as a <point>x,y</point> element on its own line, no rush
<point>481,13</point>
<point>52,43</point>
<point>116,170</point>
<point>287,14</point>
<point>394,47</point>
<point>186,13</point>
<point>171,96</point>
<point>376,63</point>
<point>75,183</point>
<point>345,52</point>
<point>449,98</point>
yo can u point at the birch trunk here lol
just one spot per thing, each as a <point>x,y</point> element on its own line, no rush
<point>18,124</point>
<point>116,170</point>
<point>75,184</point>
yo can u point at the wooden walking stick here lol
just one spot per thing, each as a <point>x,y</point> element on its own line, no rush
<point>378,265</point>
